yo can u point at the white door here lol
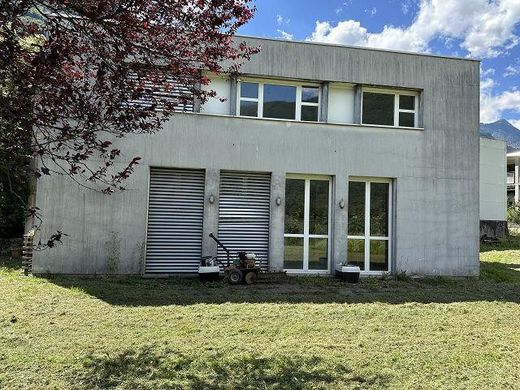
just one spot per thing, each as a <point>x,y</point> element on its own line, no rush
<point>307,224</point>
<point>369,224</point>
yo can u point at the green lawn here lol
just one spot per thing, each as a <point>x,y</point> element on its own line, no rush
<point>305,333</point>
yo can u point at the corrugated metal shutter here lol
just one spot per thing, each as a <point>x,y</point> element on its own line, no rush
<point>244,210</point>
<point>175,213</point>
<point>170,91</point>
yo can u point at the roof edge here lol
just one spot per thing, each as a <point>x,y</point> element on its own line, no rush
<point>358,48</point>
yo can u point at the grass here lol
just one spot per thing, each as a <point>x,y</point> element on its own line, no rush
<point>303,333</point>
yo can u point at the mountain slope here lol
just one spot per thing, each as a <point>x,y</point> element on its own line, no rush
<point>502,130</point>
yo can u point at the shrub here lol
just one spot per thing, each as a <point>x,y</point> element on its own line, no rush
<point>513,213</point>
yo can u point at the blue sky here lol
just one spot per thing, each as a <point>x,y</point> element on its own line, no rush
<point>482,29</point>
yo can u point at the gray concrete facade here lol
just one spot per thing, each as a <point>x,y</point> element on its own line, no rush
<point>435,169</point>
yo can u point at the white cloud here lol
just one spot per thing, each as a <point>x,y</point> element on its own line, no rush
<point>515,122</point>
<point>285,35</point>
<point>485,27</point>
<point>486,72</point>
<point>512,70</point>
<point>406,6</point>
<point>371,11</point>
<point>349,32</point>
<point>492,106</point>
<point>281,20</point>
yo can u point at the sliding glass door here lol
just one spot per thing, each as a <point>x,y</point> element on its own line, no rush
<point>307,223</point>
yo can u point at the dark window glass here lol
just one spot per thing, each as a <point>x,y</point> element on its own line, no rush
<point>378,255</point>
<point>378,108</point>
<point>356,253</point>
<point>310,113</point>
<point>406,119</point>
<point>293,253</point>
<point>406,102</point>
<point>249,90</point>
<point>248,108</point>
<point>279,101</point>
<point>294,205</point>
<point>310,94</point>
<point>319,207</point>
<point>356,208</point>
<point>379,209</point>
<point>318,253</point>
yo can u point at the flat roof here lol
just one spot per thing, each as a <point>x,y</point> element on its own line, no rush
<point>357,47</point>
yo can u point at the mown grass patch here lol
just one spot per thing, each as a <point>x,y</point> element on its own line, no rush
<point>310,333</point>
<point>501,262</point>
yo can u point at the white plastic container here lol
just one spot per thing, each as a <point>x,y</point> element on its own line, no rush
<point>349,273</point>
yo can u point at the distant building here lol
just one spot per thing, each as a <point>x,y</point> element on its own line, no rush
<point>513,177</point>
<point>493,199</point>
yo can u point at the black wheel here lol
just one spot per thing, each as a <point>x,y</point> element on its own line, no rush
<point>251,277</point>
<point>235,276</point>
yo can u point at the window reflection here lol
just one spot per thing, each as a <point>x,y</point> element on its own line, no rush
<point>293,253</point>
<point>356,208</point>
<point>378,108</point>
<point>279,101</point>
<point>378,255</point>
<point>249,90</point>
<point>310,94</point>
<point>294,206</point>
<point>248,108</point>
<point>319,207</point>
<point>379,209</point>
<point>356,253</point>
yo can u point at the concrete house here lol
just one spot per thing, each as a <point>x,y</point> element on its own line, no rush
<point>319,155</point>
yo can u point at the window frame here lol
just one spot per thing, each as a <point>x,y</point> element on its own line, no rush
<point>260,100</point>
<point>367,237</point>
<point>306,236</point>
<point>247,99</point>
<point>397,110</point>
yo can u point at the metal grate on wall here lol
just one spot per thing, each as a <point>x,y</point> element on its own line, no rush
<point>244,213</point>
<point>175,219</point>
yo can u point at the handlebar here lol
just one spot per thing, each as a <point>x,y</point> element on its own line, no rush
<point>222,246</point>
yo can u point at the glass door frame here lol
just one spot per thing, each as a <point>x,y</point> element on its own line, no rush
<point>306,217</point>
<point>367,237</point>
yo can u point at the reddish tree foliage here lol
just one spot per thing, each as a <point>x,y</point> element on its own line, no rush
<point>76,74</point>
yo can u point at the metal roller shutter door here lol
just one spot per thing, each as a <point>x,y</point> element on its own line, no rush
<point>175,214</point>
<point>244,210</point>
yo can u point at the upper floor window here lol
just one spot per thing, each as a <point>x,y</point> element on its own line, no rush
<point>279,101</point>
<point>388,108</point>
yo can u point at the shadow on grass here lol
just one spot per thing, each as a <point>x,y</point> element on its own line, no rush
<point>508,244</point>
<point>161,368</point>
<point>500,272</point>
<point>11,264</point>
<point>498,283</point>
